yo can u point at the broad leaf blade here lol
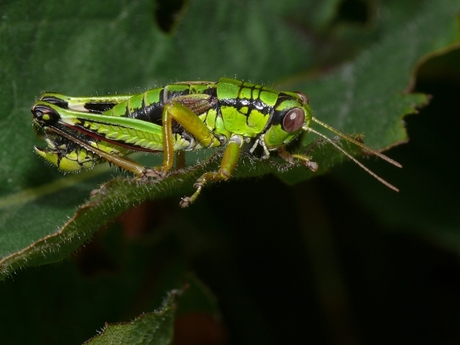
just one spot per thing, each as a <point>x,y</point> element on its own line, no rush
<point>154,328</point>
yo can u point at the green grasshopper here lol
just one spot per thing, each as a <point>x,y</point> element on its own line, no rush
<point>84,131</point>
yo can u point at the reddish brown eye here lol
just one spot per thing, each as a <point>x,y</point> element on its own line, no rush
<point>303,97</point>
<point>294,119</point>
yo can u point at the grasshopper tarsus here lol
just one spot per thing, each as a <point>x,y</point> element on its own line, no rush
<point>154,173</point>
<point>185,202</point>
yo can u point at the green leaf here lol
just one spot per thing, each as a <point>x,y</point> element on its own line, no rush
<point>107,47</point>
<point>109,281</point>
<point>154,328</point>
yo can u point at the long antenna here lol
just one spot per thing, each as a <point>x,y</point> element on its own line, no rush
<point>357,143</point>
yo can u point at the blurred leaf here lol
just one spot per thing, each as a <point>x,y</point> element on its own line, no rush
<point>154,328</point>
<point>110,280</point>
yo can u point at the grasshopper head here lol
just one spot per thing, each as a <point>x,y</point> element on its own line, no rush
<point>291,113</point>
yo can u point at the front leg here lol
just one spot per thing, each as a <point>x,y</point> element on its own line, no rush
<point>290,157</point>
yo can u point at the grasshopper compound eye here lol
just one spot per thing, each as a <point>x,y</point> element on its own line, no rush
<point>294,120</point>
